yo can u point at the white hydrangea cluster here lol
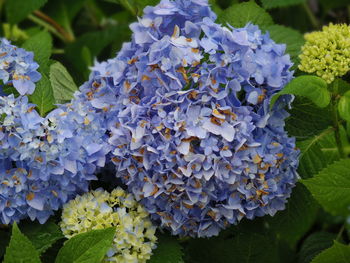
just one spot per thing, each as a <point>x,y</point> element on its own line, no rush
<point>135,235</point>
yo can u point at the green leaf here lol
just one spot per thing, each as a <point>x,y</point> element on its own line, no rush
<point>62,83</point>
<point>300,213</point>
<point>320,151</point>
<point>239,15</point>
<point>64,11</point>
<point>41,45</point>
<point>311,87</point>
<point>327,4</point>
<point>95,42</point>
<point>90,247</point>
<point>292,38</point>
<point>129,5</point>
<point>342,86</point>
<point>344,106</point>
<point>43,96</point>
<point>329,147</point>
<point>42,236</point>
<point>306,119</point>
<point>17,10</point>
<point>4,241</point>
<point>244,247</point>
<point>14,33</point>
<point>338,253</point>
<point>314,244</point>
<point>124,32</point>
<point>141,4</point>
<point>256,226</point>
<point>312,159</point>
<point>211,250</point>
<point>168,251</point>
<point>215,7</point>
<point>253,248</point>
<point>20,249</point>
<point>7,89</point>
<point>286,253</point>
<point>50,255</point>
<point>268,4</point>
<point>86,56</point>
<point>135,6</point>
<point>72,8</point>
<point>331,187</point>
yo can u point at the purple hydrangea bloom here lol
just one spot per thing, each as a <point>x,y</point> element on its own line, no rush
<point>45,162</point>
<point>188,107</point>
<point>18,68</point>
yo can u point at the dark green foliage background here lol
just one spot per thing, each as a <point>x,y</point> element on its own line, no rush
<point>68,35</point>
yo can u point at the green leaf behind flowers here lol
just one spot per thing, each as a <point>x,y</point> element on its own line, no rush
<point>20,249</point>
<point>327,4</point>
<point>314,244</point>
<point>329,147</point>
<point>95,42</point>
<point>63,12</point>
<point>246,247</point>
<point>168,251</point>
<point>338,253</point>
<point>311,87</point>
<point>344,106</point>
<point>42,236</point>
<point>269,4</point>
<point>239,15</point>
<point>306,119</point>
<point>62,83</point>
<point>4,239</point>
<point>17,10</point>
<point>135,6</point>
<point>312,159</point>
<point>331,187</point>
<point>41,45</point>
<point>90,247</point>
<point>320,151</point>
<point>300,213</point>
<point>43,96</point>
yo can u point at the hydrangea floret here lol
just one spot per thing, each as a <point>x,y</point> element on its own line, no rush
<point>135,235</point>
<point>327,52</point>
<point>18,68</point>
<point>193,134</point>
<point>45,162</point>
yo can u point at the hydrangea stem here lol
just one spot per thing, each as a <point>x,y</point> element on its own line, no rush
<point>336,119</point>
<point>46,26</point>
<point>51,25</point>
<point>314,21</point>
<point>340,232</point>
<point>68,36</point>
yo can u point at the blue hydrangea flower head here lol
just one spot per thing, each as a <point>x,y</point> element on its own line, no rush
<point>45,162</point>
<point>18,68</point>
<point>161,20</point>
<point>190,123</point>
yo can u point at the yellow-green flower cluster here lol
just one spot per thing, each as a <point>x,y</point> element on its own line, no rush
<point>135,235</point>
<point>327,52</point>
